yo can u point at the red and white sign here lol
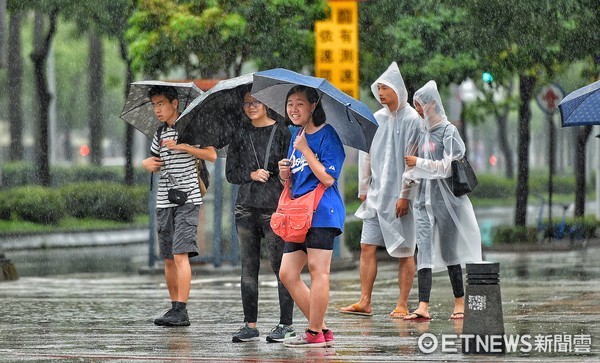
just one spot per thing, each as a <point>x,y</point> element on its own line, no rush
<point>549,97</point>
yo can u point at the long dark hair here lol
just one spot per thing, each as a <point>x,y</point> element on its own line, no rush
<point>311,94</point>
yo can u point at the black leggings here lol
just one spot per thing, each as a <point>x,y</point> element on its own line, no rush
<point>252,224</point>
<point>424,279</point>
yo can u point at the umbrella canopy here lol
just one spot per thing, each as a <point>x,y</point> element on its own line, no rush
<point>581,107</point>
<point>138,111</point>
<point>213,116</point>
<point>352,119</point>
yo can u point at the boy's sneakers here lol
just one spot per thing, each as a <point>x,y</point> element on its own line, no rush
<point>245,334</point>
<point>178,317</point>
<point>329,339</point>
<point>306,340</point>
<point>161,319</point>
<point>280,332</point>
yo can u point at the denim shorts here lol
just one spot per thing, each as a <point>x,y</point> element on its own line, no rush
<point>317,237</point>
<point>177,230</point>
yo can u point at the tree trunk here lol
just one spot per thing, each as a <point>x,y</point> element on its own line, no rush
<point>129,131</point>
<point>3,13</point>
<point>15,82</point>
<point>580,172</point>
<point>501,121</point>
<point>96,94</point>
<point>39,57</point>
<point>526,85</point>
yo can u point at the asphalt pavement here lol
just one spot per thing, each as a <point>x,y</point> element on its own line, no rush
<point>549,303</point>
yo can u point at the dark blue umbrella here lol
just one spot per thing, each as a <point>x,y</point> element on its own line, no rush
<point>352,119</point>
<point>581,107</point>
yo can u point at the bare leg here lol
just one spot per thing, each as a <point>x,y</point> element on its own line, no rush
<point>368,273</point>
<point>319,262</point>
<point>171,278</point>
<point>406,274</point>
<point>459,308</point>
<point>184,277</point>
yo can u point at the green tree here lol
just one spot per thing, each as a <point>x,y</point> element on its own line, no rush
<point>580,39</point>
<point>512,37</point>
<point>105,18</point>
<point>211,38</point>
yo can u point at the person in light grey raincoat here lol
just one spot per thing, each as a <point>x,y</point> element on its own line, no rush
<point>447,231</point>
<point>386,209</point>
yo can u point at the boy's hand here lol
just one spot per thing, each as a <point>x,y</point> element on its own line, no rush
<point>152,164</point>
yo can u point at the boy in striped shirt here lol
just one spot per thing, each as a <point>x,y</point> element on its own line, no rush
<point>176,223</point>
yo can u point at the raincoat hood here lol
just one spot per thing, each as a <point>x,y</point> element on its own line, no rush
<point>430,101</point>
<point>393,79</point>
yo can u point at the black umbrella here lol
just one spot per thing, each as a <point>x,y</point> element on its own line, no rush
<point>138,111</point>
<point>211,118</point>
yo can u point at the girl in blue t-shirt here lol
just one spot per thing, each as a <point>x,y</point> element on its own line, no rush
<point>316,155</point>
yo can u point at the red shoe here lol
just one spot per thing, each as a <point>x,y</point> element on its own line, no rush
<point>306,340</point>
<point>329,339</point>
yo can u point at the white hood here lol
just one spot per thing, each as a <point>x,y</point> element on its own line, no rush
<point>393,79</point>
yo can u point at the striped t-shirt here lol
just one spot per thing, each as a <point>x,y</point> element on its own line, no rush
<point>178,164</point>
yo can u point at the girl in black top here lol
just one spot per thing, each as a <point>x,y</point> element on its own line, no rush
<point>259,136</point>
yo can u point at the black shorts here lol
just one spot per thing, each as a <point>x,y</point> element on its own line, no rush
<point>317,237</point>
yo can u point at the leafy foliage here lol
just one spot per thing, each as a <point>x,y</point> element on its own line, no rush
<point>210,37</point>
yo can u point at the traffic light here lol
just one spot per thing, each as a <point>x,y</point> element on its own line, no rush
<point>487,77</point>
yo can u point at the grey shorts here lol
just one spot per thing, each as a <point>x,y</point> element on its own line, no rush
<point>177,230</point>
<point>371,232</point>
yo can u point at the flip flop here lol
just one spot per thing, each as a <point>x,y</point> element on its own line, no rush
<point>398,313</point>
<point>457,315</point>
<point>357,310</point>
<point>416,317</point>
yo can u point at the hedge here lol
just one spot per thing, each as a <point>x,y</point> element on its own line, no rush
<point>100,200</point>
<point>352,232</point>
<point>38,204</point>
<point>18,174</point>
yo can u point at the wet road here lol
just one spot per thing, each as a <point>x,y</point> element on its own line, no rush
<point>108,317</point>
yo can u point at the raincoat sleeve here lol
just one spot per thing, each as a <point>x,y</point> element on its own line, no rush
<point>454,149</point>
<point>411,143</point>
<point>364,172</point>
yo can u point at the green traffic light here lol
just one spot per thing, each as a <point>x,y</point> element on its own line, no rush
<point>487,77</point>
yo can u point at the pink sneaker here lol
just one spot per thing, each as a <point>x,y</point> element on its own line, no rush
<point>329,339</point>
<point>306,340</point>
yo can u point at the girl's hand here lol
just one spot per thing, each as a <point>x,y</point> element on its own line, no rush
<point>260,175</point>
<point>411,160</point>
<point>285,167</point>
<point>301,144</point>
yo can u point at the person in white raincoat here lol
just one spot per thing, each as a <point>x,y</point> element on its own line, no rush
<point>386,209</point>
<point>447,231</point>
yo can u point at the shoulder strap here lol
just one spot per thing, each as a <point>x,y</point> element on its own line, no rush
<point>268,151</point>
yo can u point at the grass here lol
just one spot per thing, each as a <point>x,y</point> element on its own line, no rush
<point>70,224</point>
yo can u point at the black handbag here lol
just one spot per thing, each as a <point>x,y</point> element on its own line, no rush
<point>177,196</point>
<point>463,179</point>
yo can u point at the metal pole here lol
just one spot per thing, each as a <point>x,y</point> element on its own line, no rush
<point>218,215</point>
<point>551,163</point>
<point>152,225</point>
